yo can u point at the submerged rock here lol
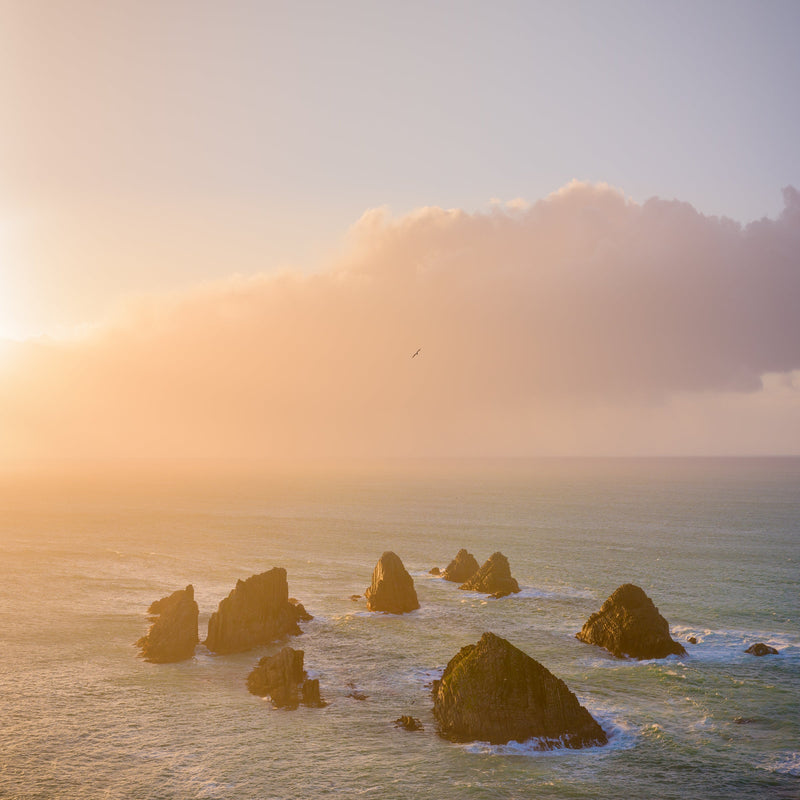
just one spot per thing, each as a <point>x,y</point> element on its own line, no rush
<point>408,723</point>
<point>493,578</point>
<point>282,678</point>
<point>761,649</point>
<point>173,633</point>
<point>461,568</point>
<point>392,588</point>
<point>493,692</point>
<point>628,624</point>
<point>256,612</point>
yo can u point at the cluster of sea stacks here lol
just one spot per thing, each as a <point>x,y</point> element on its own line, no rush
<point>493,578</point>
<point>490,691</point>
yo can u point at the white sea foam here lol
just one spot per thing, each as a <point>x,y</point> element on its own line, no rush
<point>785,763</point>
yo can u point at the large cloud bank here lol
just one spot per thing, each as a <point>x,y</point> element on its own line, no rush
<point>538,325</point>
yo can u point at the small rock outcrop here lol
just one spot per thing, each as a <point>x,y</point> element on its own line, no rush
<point>461,568</point>
<point>310,694</point>
<point>282,678</point>
<point>434,571</point>
<point>628,624</point>
<point>173,634</point>
<point>493,578</point>
<point>408,723</point>
<point>761,649</point>
<point>493,692</point>
<point>392,588</point>
<point>256,612</point>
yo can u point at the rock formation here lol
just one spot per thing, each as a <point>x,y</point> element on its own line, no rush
<point>408,723</point>
<point>256,612</point>
<point>493,578</point>
<point>628,624</point>
<point>392,588</point>
<point>461,568</point>
<point>173,633</point>
<point>434,571</point>
<point>310,694</point>
<point>493,692</point>
<point>761,649</point>
<point>283,679</point>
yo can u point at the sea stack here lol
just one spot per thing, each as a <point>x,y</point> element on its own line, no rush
<point>256,612</point>
<point>493,578</point>
<point>173,634</point>
<point>493,692</point>
<point>461,568</point>
<point>629,625</point>
<point>392,588</point>
<point>282,678</point>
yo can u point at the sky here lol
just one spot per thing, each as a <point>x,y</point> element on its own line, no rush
<point>225,228</point>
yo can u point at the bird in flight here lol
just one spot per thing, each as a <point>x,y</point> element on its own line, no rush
<point>417,353</point>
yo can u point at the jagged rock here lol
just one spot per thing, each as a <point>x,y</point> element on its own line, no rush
<point>628,624</point>
<point>283,679</point>
<point>392,588</point>
<point>302,614</point>
<point>434,571</point>
<point>461,568</point>
<point>173,633</point>
<point>310,693</point>
<point>408,723</point>
<point>493,578</point>
<point>761,649</point>
<point>279,677</point>
<point>493,692</point>
<point>256,612</point>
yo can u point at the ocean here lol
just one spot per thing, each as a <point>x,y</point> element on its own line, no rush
<point>84,551</point>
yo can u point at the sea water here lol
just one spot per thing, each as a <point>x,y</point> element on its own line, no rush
<point>84,553</point>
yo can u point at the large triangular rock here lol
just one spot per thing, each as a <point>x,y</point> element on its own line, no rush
<point>628,624</point>
<point>256,612</point>
<point>493,692</point>
<point>461,568</point>
<point>173,634</point>
<point>493,578</point>
<point>392,588</point>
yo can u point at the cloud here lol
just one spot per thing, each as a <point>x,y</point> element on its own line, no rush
<point>538,324</point>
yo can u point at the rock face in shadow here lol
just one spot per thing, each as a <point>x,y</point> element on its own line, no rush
<point>282,678</point>
<point>256,612</point>
<point>761,649</point>
<point>628,624</point>
<point>461,568</point>
<point>493,692</point>
<point>493,578</point>
<point>173,633</point>
<point>392,588</point>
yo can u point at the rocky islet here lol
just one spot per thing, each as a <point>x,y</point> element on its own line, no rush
<point>493,692</point>
<point>392,588</point>
<point>173,633</point>
<point>629,625</point>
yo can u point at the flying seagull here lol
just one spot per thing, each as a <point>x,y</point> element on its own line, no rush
<point>417,353</point>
